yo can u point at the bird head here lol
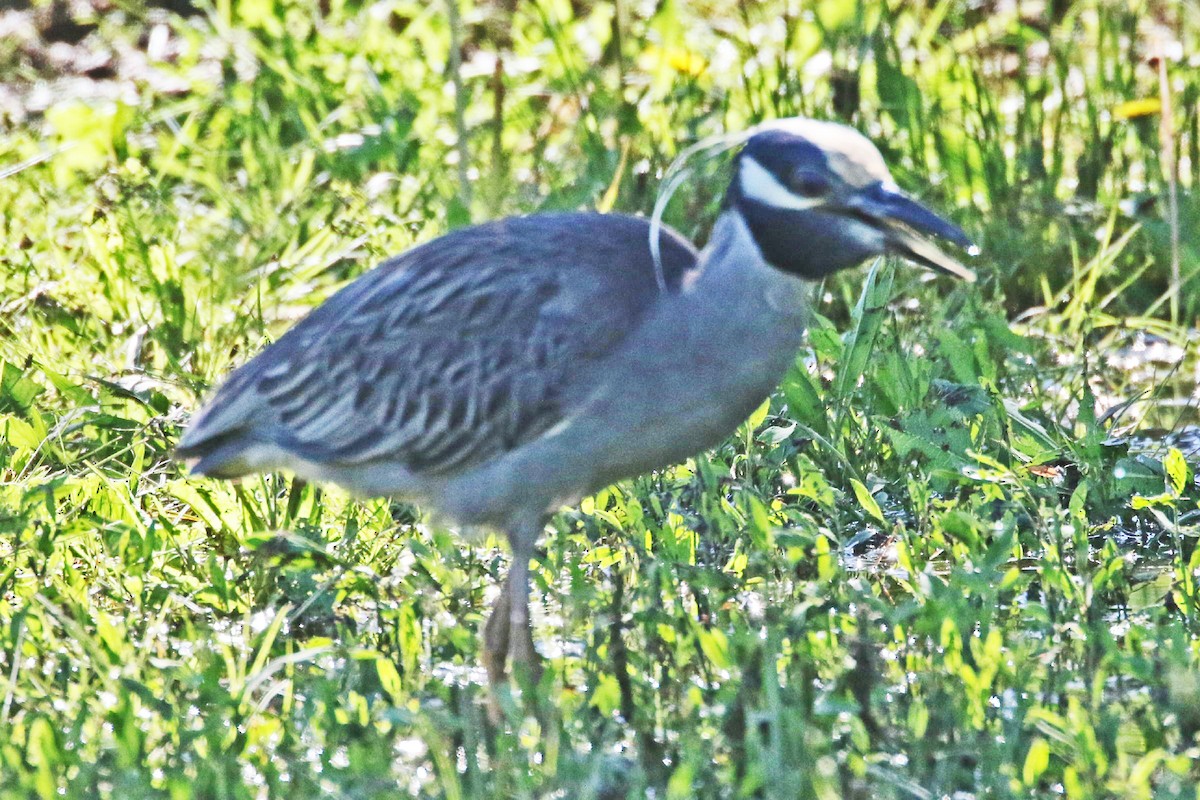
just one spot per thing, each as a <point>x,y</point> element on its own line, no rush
<point>817,197</point>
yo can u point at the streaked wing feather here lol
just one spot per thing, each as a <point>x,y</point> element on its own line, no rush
<point>451,353</point>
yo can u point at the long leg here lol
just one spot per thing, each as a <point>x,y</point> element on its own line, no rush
<point>495,635</point>
<point>495,650</point>
<point>525,659</point>
<point>507,635</point>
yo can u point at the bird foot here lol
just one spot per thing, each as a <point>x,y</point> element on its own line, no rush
<point>527,670</point>
<point>503,650</point>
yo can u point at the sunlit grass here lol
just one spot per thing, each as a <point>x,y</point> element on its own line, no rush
<point>955,556</point>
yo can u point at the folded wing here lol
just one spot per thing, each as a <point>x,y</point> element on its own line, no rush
<point>445,356</point>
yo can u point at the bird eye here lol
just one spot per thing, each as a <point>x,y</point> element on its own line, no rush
<point>807,183</point>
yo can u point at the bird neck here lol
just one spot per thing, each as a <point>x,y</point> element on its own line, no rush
<point>732,267</point>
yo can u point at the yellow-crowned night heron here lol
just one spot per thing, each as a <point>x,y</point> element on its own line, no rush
<point>505,370</point>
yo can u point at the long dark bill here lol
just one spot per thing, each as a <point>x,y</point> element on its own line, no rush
<point>909,226</point>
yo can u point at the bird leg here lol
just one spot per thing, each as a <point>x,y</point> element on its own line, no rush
<point>526,663</point>
<point>507,634</point>
<point>495,636</point>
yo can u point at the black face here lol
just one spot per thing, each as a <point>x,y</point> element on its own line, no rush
<point>811,241</point>
<point>809,244</point>
<point>814,209</point>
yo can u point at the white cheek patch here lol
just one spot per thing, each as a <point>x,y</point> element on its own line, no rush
<point>864,235</point>
<point>761,186</point>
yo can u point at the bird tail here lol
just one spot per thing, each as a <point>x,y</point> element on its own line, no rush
<point>221,456</point>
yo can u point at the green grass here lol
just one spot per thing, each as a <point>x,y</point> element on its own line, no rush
<point>954,557</point>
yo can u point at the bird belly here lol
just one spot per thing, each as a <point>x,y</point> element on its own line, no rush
<point>649,414</point>
<point>678,422</point>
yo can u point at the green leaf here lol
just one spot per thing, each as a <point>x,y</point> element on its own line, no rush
<point>680,784</point>
<point>759,415</point>
<point>1078,502</point>
<point>1140,501</point>
<point>824,339</point>
<point>1137,475</point>
<point>1036,761</point>
<point>607,696</point>
<point>715,646</point>
<point>898,92</point>
<point>457,213</point>
<point>959,355</point>
<point>804,402</point>
<point>19,433</point>
<point>1177,471</point>
<point>389,679</point>
<point>868,318</point>
<point>866,500</point>
<point>834,15</point>
<point>17,391</point>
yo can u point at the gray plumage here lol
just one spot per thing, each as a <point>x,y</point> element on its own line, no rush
<point>508,369</point>
<point>443,357</point>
